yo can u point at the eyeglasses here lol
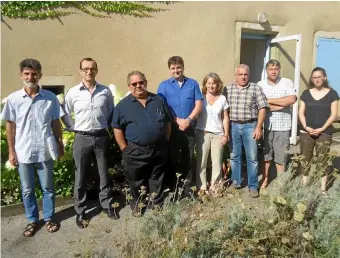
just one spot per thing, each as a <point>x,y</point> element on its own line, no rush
<point>134,84</point>
<point>86,70</point>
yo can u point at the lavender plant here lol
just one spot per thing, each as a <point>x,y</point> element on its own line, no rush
<point>288,220</point>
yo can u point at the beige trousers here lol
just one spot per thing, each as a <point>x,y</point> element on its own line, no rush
<point>206,141</point>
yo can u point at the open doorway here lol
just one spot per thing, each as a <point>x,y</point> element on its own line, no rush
<point>253,53</point>
<point>257,49</point>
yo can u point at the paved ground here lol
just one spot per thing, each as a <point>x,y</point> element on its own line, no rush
<point>70,241</point>
<point>102,235</point>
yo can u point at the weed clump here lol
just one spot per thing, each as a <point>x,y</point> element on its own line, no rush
<point>288,220</point>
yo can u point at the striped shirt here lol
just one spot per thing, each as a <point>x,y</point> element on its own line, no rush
<point>280,120</point>
<point>245,102</point>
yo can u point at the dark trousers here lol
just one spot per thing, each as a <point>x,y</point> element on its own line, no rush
<point>83,148</point>
<point>145,166</point>
<point>181,153</point>
<point>321,144</point>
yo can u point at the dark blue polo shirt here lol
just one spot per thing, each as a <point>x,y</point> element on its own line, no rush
<point>142,125</point>
<point>181,100</point>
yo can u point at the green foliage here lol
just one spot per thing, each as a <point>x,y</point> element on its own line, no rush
<point>10,185</point>
<point>64,168</point>
<point>10,182</point>
<point>4,145</point>
<point>63,173</point>
<point>35,10</point>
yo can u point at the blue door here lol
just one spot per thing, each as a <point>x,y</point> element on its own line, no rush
<point>328,57</point>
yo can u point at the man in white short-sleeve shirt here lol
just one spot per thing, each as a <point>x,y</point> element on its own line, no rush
<point>280,94</point>
<point>32,115</point>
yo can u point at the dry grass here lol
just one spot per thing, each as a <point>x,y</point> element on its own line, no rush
<point>293,221</point>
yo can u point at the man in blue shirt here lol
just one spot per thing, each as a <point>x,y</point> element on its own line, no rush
<point>184,98</point>
<point>32,115</point>
<point>141,123</point>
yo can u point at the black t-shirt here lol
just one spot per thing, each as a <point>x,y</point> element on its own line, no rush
<point>318,111</point>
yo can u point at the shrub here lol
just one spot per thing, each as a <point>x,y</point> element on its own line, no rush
<point>63,173</point>
<point>292,221</point>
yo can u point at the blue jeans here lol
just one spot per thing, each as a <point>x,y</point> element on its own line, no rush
<point>27,175</point>
<point>242,135</point>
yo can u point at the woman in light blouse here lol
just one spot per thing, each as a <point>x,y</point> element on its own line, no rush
<point>212,131</point>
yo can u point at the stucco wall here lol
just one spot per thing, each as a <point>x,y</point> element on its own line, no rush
<point>203,33</point>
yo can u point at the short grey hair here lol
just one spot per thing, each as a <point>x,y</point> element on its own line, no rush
<point>135,73</point>
<point>31,64</point>
<point>273,62</point>
<point>244,66</point>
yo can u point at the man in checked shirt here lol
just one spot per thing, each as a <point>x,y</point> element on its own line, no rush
<point>247,113</point>
<point>281,94</point>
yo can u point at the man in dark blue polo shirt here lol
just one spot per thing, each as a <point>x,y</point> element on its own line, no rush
<point>184,98</point>
<point>141,123</point>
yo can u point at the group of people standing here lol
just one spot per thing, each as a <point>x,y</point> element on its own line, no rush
<point>157,133</point>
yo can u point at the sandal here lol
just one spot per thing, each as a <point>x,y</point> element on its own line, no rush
<point>51,226</point>
<point>30,229</point>
<point>324,194</point>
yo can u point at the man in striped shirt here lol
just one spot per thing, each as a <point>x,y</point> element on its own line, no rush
<point>247,113</point>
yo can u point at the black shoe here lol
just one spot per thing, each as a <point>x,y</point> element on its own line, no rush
<point>111,213</point>
<point>81,220</point>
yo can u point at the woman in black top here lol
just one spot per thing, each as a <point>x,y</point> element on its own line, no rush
<point>317,112</point>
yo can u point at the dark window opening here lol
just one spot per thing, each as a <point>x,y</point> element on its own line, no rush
<point>56,89</point>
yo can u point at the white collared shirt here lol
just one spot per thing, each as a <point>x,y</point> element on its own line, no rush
<point>280,120</point>
<point>92,112</point>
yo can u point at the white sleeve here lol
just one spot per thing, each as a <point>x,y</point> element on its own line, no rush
<point>290,88</point>
<point>225,103</point>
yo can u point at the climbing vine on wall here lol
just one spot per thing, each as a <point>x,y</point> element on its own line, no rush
<point>34,10</point>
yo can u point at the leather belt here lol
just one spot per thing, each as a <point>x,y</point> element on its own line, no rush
<point>245,122</point>
<point>151,146</point>
<point>98,133</point>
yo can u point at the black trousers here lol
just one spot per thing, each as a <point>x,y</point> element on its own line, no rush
<point>145,166</point>
<point>181,154</point>
<point>83,148</point>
